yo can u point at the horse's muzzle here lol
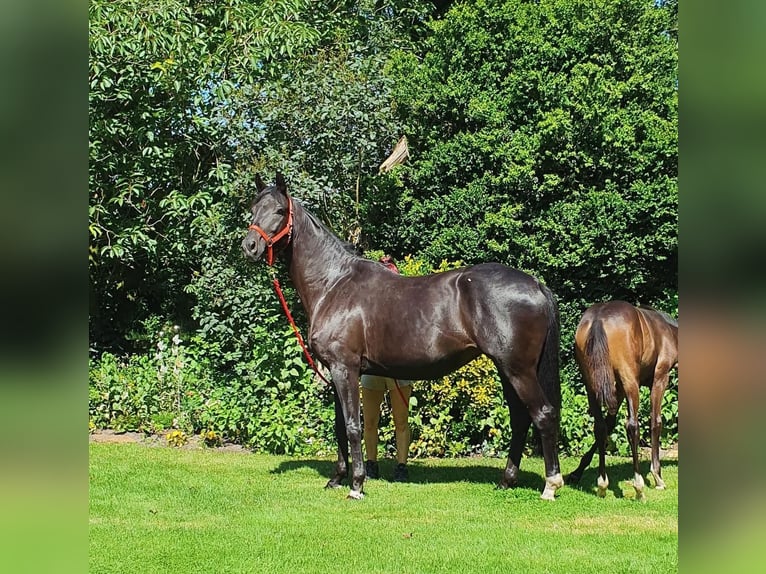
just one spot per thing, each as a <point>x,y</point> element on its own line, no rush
<point>251,248</point>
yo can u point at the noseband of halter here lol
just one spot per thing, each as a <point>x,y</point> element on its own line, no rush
<point>272,239</point>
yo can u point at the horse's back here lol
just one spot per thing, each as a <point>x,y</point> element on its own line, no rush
<point>432,324</point>
<point>621,327</point>
<point>498,284</point>
<point>615,317</point>
<point>661,338</point>
<point>638,339</point>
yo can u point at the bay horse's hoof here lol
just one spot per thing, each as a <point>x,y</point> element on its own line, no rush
<point>355,495</point>
<point>602,483</point>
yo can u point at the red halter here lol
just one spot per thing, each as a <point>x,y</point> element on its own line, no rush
<point>271,240</point>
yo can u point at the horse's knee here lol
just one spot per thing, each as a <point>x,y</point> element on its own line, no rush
<point>546,419</point>
<point>353,431</point>
<point>631,426</point>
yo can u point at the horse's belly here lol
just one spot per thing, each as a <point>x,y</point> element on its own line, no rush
<point>419,365</point>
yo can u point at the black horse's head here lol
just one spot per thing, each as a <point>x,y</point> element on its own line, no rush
<point>272,220</point>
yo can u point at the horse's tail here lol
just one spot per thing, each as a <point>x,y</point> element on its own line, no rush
<point>548,373</point>
<point>600,367</point>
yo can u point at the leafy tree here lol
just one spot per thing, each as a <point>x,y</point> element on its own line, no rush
<point>544,135</point>
<point>162,75</point>
<point>187,100</point>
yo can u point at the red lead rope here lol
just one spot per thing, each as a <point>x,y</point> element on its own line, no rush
<point>298,336</point>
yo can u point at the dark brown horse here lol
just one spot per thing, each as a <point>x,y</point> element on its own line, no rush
<point>620,347</point>
<point>365,319</point>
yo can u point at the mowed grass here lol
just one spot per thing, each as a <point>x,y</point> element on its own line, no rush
<point>168,510</point>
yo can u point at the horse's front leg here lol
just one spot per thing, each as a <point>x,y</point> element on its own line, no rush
<point>346,382</point>
<point>341,467</point>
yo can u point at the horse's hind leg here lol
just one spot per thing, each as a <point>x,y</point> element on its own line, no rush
<point>631,428</point>
<point>595,410</point>
<point>545,418</point>
<point>603,429</point>
<point>658,390</point>
<point>520,422</point>
<point>341,467</point>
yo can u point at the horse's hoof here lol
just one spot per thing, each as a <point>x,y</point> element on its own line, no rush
<point>355,495</point>
<point>333,484</point>
<point>660,487</point>
<point>638,484</point>
<point>572,479</point>
<point>603,484</point>
<point>552,484</point>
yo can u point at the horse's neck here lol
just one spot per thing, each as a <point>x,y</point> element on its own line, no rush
<point>318,260</point>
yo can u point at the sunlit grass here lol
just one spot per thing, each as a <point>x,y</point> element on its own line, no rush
<point>170,510</point>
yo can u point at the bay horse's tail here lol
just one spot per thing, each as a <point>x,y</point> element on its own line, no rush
<point>548,373</point>
<point>600,367</point>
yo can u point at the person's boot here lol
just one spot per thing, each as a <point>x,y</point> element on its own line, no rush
<point>371,469</point>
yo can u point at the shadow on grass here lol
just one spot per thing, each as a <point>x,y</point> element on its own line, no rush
<point>617,473</point>
<point>420,473</point>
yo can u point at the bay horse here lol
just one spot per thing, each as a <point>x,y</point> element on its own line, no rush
<point>618,348</point>
<point>365,319</point>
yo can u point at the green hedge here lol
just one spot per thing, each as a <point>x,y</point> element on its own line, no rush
<point>272,402</point>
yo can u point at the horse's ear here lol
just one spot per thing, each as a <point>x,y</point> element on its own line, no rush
<point>259,185</point>
<point>281,185</point>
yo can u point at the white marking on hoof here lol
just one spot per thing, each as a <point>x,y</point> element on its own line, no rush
<point>552,484</point>
<point>355,495</point>
<point>659,484</point>
<point>603,483</point>
<point>638,484</point>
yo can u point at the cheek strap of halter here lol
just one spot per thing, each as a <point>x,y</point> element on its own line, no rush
<point>270,240</point>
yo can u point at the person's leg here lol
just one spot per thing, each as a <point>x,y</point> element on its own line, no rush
<point>371,401</point>
<point>400,412</point>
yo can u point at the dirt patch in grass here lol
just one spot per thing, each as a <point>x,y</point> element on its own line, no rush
<point>193,442</point>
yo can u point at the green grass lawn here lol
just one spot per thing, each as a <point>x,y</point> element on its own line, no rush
<point>165,510</point>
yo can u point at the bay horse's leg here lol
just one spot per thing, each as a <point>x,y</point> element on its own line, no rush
<point>347,386</point>
<point>595,411</point>
<point>602,430</point>
<point>630,388</point>
<point>341,467</point>
<point>661,376</point>
<point>520,422</point>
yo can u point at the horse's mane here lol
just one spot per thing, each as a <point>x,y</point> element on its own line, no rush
<point>670,320</point>
<point>349,248</point>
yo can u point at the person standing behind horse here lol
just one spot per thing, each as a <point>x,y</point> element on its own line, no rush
<point>373,392</point>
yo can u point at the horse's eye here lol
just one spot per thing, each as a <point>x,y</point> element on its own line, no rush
<point>281,211</point>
